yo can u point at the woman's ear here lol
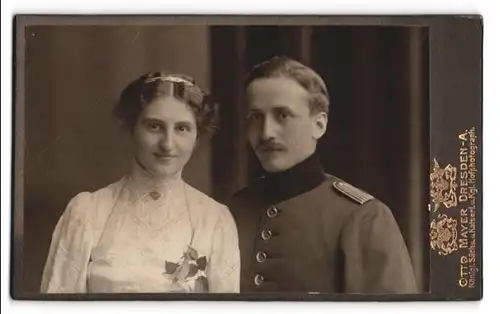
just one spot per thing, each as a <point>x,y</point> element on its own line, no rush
<point>320,124</point>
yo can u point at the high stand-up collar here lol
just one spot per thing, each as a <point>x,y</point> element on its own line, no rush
<point>303,177</point>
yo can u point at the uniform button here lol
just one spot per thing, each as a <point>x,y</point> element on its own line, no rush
<point>258,280</point>
<point>260,257</point>
<point>266,235</point>
<point>272,212</point>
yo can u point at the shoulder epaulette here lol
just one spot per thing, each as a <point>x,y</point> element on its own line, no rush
<point>352,192</point>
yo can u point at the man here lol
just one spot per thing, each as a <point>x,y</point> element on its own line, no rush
<point>301,230</point>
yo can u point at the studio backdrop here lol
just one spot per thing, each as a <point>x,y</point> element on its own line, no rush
<point>377,136</point>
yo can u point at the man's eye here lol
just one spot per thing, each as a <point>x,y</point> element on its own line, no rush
<point>253,117</point>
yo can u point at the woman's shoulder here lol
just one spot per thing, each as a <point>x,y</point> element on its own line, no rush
<point>87,205</point>
<point>211,212</point>
<point>204,202</point>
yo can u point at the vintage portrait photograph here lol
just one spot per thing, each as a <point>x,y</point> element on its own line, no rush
<point>239,158</point>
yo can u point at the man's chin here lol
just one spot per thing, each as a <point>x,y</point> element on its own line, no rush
<point>274,166</point>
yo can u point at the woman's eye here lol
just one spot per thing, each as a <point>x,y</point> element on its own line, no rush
<point>153,126</point>
<point>283,115</point>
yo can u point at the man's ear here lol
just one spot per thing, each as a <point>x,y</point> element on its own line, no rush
<point>320,124</point>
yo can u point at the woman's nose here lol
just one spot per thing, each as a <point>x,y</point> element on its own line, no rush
<point>166,141</point>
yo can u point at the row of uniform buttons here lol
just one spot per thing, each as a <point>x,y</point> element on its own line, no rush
<point>265,235</point>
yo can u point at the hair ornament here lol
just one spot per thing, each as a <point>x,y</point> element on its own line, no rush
<point>170,78</point>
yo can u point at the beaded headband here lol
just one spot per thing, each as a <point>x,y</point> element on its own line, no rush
<point>169,78</point>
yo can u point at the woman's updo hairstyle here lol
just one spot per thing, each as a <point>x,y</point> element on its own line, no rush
<point>148,87</point>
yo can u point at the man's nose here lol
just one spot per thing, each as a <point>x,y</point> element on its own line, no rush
<point>269,128</point>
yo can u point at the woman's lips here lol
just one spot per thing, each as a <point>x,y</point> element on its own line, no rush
<point>164,157</point>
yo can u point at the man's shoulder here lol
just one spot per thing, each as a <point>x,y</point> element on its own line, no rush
<point>333,185</point>
<point>361,203</point>
<point>349,191</point>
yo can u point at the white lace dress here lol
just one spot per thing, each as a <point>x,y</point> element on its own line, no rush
<point>144,236</point>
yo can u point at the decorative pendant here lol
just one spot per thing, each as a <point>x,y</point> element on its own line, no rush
<point>155,195</point>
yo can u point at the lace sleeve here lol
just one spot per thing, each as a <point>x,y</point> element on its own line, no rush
<point>69,252</point>
<point>224,267</point>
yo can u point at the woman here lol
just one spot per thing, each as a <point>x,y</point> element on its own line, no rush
<point>150,231</point>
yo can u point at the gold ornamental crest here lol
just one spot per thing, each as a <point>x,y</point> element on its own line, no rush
<point>443,185</point>
<point>444,234</point>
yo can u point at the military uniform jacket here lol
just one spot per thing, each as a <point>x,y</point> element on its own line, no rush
<point>312,232</point>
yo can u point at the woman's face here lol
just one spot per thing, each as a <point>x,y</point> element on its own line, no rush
<point>165,135</point>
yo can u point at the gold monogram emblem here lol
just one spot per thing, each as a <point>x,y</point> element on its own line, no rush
<point>443,185</point>
<point>443,234</point>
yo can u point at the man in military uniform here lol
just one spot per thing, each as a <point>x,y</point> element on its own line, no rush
<point>300,229</point>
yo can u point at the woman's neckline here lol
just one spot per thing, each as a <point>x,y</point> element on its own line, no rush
<point>141,182</point>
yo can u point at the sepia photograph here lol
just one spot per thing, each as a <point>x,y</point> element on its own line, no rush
<point>245,157</point>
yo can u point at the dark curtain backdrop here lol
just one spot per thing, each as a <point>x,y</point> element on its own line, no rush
<point>377,137</point>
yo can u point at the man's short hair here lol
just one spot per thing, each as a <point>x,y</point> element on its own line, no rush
<point>282,66</point>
